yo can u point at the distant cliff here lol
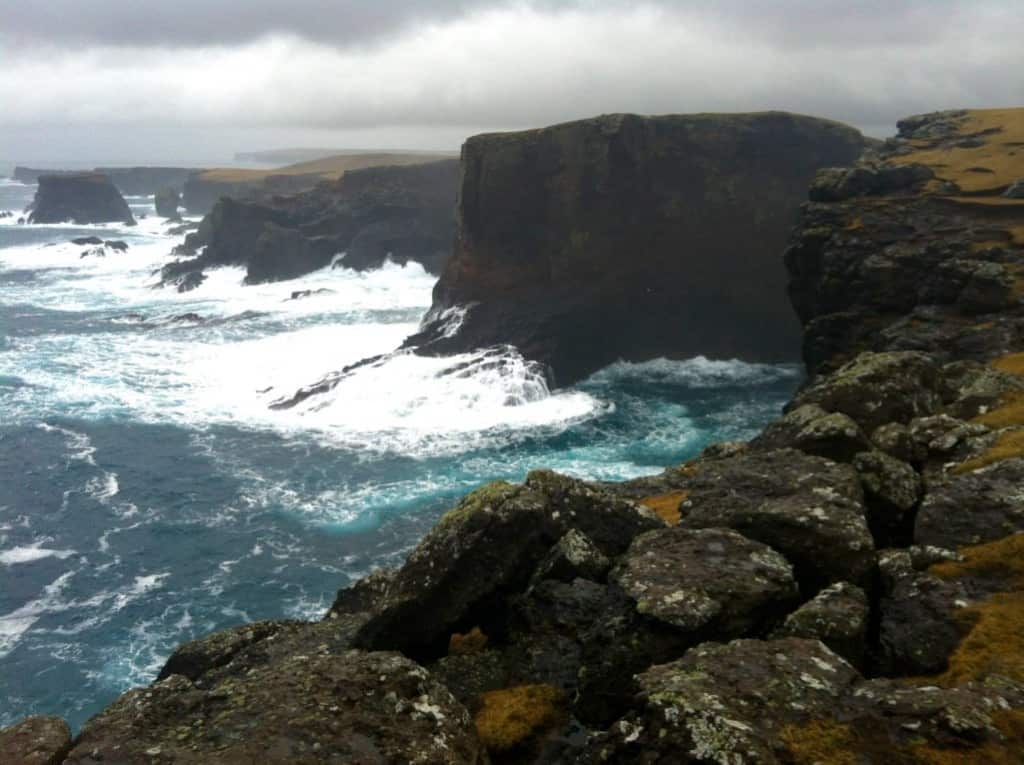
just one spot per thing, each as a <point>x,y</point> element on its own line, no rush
<point>406,213</point>
<point>631,237</point>
<point>79,198</point>
<point>130,181</point>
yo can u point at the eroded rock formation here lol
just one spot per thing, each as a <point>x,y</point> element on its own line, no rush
<point>79,198</point>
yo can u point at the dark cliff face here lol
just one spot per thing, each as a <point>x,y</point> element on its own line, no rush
<point>632,237</point>
<point>405,213</point>
<point>920,246</point>
<point>79,198</point>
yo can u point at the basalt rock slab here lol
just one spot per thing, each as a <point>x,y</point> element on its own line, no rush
<point>354,707</point>
<point>79,198</point>
<point>807,508</point>
<point>658,235</point>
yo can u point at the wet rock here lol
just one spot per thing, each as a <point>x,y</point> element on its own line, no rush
<point>918,630</point>
<point>299,294</point>
<point>837,616</point>
<point>116,245</point>
<point>487,548</point>
<point>79,198</point>
<point>972,508</point>
<point>811,429</point>
<point>807,508</point>
<point>892,489</point>
<point>574,556</point>
<point>878,388</point>
<point>82,241</point>
<point>35,741</point>
<point>167,200</point>
<point>711,582</point>
<point>354,707</point>
<point>726,703</point>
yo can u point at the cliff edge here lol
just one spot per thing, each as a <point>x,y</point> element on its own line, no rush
<point>629,237</point>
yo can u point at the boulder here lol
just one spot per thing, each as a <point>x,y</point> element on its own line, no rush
<point>574,556</point>
<point>35,741</point>
<point>972,508</point>
<point>486,549</point>
<point>659,235</point>
<point>79,198</point>
<point>707,582</point>
<point>837,616</point>
<point>807,508</point>
<point>812,430</point>
<point>726,703</point>
<point>352,707</point>
<point>892,489</point>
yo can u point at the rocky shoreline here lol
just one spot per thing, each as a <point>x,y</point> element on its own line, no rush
<point>846,588</point>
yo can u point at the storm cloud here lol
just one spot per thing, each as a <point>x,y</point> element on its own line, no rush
<point>428,74</point>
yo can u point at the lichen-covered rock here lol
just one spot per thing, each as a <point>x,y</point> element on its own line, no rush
<point>487,548</point>
<point>350,708</point>
<point>918,629</point>
<point>711,582</point>
<point>79,198</point>
<point>971,508</point>
<point>970,389</point>
<point>877,388</point>
<point>573,556</point>
<point>726,703</point>
<point>811,429</point>
<point>945,438</point>
<point>892,489</point>
<point>807,508</point>
<point>837,616</point>
<point>35,741</point>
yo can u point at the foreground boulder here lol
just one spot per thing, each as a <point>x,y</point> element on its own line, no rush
<point>79,198</point>
<point>659,235</point>
<point>35,741</point>
<point>352,707</point>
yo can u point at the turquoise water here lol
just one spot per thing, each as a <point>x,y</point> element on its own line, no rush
<point>148,494</point>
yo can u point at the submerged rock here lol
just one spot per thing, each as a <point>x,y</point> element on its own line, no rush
<point>79,198</point>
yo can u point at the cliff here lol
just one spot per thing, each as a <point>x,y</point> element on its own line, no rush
<point>405,213</point>
<point>845,588</point>
<point>658,235</point>
<point>79,198</point>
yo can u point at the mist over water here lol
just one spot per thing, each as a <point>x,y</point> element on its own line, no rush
<point>149,494</point>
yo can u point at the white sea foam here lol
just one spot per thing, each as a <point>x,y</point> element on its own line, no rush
<point>31,553</point>
<point>18,622</point>
<point>698,372</point>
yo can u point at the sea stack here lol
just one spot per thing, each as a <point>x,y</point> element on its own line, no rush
<point>630,237</point>
<point>79,198</point>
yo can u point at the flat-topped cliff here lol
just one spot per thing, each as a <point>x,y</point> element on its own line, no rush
<point>629,237</point>
<point>79,198</point>
<point>368,215</point>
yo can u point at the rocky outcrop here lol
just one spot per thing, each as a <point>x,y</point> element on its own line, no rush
<point>366,217</point>
<point>658,235</point>
<point>79,198</point>
<point>167,201</point>
<point>130,181</point>
<point>36,741</point>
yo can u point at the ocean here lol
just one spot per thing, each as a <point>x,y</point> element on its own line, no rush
<point>149,495</point>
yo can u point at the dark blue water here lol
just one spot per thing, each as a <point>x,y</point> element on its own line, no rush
<point>148,494</point>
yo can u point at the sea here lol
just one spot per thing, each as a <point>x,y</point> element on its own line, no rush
<point>150,495</point>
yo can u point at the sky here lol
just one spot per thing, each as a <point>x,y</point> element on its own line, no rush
<point>197,80</point>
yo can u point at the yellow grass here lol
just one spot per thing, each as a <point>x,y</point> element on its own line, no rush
<point>511,717</point>
<point>999,159</point>
<point>666,506</point>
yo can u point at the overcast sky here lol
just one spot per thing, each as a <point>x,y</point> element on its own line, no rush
<point>200,79</point>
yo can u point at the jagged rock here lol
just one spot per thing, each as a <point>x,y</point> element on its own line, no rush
<point>487,548</point>
<point>710,582</point>
<point>116,245</point>
<point>973,508</point>
<point>837,616</point>
<point>878,388</point>
<point>892,489</point>
<point>969,388</point>
<point>918,629</point>
<point>82,241</point>
<point>573,556</point>
<point>167,200</point>
<point>811,429</point>
<point>565,231</point>
<point>80,198</point>
<point>300,294</point>
<point>944,438</point>
<point>836,184</point>
<point>726,703</point>
<point>35,741</point>
<point>353,707</point>
<point>807,508</point>
<point>894,439</point>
